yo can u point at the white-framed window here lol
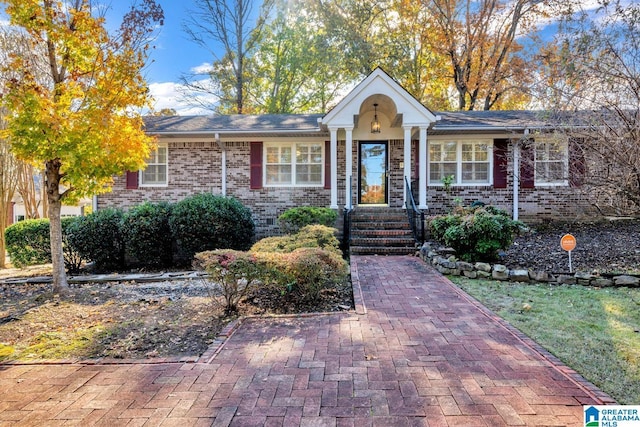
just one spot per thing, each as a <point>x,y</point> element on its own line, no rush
<point>551,161</point>
<point>463,162</point>
<point>294,164</point>
<point>155,174</point>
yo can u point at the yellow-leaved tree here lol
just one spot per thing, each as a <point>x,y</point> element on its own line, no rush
<point>73,110</point>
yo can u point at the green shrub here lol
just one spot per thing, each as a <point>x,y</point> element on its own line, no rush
<point>28,243</point>
<point>72,258</point>
<point>310,236</point>
<point>147,235</point>
<point>205,222</point>
<point>305,272</point>
<point>476,234</point>
<point>98,237</point>
<point>292,220</point>
<point>234,271</point>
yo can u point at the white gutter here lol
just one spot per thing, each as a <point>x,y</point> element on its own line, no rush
<point>236,132</point>
<point>223,165</point>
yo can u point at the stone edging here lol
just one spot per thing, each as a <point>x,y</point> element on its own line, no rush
<point>446,263</point>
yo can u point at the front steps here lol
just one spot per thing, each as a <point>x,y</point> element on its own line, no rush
<point>381,231</point>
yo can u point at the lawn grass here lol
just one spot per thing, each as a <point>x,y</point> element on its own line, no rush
<point>594,331</point>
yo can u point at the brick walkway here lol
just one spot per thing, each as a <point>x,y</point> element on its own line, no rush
<point>416,352</point>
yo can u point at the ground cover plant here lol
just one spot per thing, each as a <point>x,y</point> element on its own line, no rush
<point>594,331</point>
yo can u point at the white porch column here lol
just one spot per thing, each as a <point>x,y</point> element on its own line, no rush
<point>407,162</point>
<point>334,167</point>
<point>424,158</point>
<point>348,203</point>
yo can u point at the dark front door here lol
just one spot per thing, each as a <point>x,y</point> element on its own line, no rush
<point>372,180</point>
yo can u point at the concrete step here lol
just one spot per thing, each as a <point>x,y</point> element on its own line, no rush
<point>369,250</point>
<point>382,242</point>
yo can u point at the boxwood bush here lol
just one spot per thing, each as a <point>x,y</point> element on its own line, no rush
<point>476,233</point>
<point>292,220</point>
<point>147,235</point>
<point>206,222</point>
<point>98,237</point>
<point>27,242</point>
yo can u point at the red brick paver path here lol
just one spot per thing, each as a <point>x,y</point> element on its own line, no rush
<point>419,353</point>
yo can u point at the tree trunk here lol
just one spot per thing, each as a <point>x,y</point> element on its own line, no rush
<point>54,198</point>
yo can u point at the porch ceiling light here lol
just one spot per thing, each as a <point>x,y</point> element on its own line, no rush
<point>375,124</point>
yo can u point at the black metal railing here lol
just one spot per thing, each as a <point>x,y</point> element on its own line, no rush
<point>414,215</point>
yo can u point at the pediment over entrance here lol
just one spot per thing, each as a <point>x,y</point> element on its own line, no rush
<point>392,100</point>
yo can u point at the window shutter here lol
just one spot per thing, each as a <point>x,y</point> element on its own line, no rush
<point>577,165</point>
<point>132,180</point>
<point>327,164</point>
<point>500,150</point>
<point>527,165</point>
<point>255,159</point>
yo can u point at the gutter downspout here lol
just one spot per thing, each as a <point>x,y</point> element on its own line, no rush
<point>516,176</point>
<point>223,162</point>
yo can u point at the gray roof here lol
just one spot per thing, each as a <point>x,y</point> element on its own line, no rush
<point>307,124</point>
<point>234,124</point>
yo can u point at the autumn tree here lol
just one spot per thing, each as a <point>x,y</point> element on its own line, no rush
<point>595,71</point>
<point>232,28</point>
<point>79,123</point>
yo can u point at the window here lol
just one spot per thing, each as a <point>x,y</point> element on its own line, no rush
<point>468,162</point>
<point>155,174</point>
<point>551,162</point>
<point>294,164</point>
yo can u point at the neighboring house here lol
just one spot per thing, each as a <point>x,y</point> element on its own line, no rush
<point>18,212</point>
<point>360,153</point>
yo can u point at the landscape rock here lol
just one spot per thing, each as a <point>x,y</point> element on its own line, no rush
<point>483,266</point>
<point>625,280</point>
<point>519,275</point>
<point>471,274</point>
<point>602,282</point>
<point>464,266</point>
<point>566,279</point>
<point>500,272</point>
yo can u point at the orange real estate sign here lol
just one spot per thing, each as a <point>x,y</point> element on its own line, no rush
<point>568,242</point>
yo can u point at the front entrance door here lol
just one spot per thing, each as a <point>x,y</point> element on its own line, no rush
<point>372,182</point>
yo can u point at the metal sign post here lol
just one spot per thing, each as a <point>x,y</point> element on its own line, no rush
<point>568,243</point>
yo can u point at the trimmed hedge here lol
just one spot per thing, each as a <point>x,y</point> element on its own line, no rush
<point>206,222</point>
<point>27,242</point>
<point>147,235</point>
<point>98,237</point>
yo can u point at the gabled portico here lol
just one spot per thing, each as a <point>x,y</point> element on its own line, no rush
<point>400,117</point>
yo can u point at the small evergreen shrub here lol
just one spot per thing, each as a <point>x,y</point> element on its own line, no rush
<point>235,272</point>
<point>98,237</point>
<point>292,220</point>
<point>206,222</point>
<point>147,235</point>
<point>477,233</point>
<point>310,236</point>
<point>27,242</point>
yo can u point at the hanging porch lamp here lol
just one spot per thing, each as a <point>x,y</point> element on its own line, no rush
<point>375,124</point>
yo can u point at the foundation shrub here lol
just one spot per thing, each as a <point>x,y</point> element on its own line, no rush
<point>294,219</point>
<point>476,233</point>
<point>207,222</point>
<point>147,234</point>
<point>28,243</point>
<point>98,237</point>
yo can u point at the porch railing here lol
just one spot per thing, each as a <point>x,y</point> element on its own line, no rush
<point>414,215</point>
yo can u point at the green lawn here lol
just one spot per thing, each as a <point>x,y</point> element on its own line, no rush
<point>594,331</point>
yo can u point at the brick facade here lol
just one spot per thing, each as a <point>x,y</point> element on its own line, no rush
<point>195,166</point>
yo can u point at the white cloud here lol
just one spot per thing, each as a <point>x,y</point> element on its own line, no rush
<point>204,68</point>
<point>180,98</point>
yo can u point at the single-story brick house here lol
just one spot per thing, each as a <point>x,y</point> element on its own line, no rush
<point>359,154</point>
